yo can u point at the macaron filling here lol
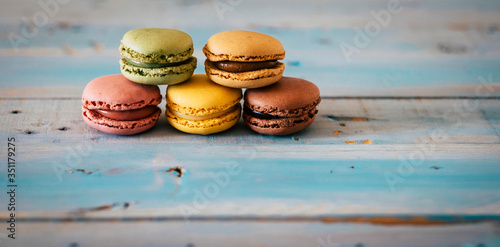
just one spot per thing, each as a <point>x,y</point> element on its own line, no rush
<point>162,75</point>
<point>233,66</point>
<point>200,118</point>
<point>129,115</point>
<point>156,65</point>
<point>156,57</point>
<point>260,115</point>
<point>265,116</point>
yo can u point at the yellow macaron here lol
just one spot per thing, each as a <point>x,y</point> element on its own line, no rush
<point>200,106</point>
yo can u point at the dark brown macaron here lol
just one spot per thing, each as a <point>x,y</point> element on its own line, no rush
<point>283,108</point>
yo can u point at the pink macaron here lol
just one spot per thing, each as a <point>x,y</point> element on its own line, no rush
<point>115,105</point>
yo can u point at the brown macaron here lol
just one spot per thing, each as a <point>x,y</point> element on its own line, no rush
<point>283,108</point>
<point>244,59</point>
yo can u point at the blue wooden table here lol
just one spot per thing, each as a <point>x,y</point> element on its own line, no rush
<point>405,150</point>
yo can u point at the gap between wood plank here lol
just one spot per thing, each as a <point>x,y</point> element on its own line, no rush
<point>393,220</point>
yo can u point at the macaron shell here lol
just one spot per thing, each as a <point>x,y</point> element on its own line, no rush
<point>117,127</point>
<point>116,92</point>
<point>288,93</point>
<point>204,127</point>
<point>156,45</point>
<point>271,127</point>
<point>250,79</point>
<point>239,45</point>
<point>158,76</point>
<point>199,96</point>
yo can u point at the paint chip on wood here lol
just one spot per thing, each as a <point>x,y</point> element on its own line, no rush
<point>178,171</point>
<point>359,119</point>
<point>106,207</point>
<point>350,142</point>
<point>63,25</point>
<point>387,220</point>
<point>437,167</point>
<point>337,132</point>
<point>342,118</point>
<point>84,171</point>
<point>449,48</point>
<point>367,142</point>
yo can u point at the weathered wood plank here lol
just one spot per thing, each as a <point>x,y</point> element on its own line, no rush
<point>383,122</point>
<point>341,13</point>
<point>250,234</point>
<point>409,57</point>
<point>426,157</point>
<point>65,77</point>
<point>102,184</point>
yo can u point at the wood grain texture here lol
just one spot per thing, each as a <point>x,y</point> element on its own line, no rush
<point>65,76</point>
<point>253,234</point>
<point>405,149</point>
<point>451,146</point>
<point>410,56</point>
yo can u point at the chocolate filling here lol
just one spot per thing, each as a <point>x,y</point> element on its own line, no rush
<point>260,115</point>
<point>231,66</point>
<point>128,115</point>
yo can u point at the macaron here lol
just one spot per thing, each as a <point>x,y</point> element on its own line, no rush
<point>244,59</point>
<point>113,104</point>
<point>157,56</point>
<point>283,108</point>
<point>199,106</point>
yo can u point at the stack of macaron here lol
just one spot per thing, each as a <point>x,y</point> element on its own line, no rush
<point>126,103</point>
<point>273,104</point>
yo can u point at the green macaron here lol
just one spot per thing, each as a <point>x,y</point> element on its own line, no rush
<point>157,56</point>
